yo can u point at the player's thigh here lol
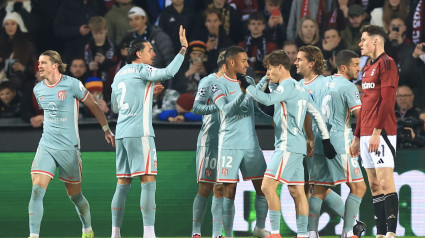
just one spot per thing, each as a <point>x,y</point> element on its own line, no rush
<point>253,164</point>
<point>141,152</point>
<point>70,165</point>
<point>228,165</point>
<point>121,163</point>
<point>383,157</point>
<point>43,162</point>
<point>206,164</point>
<point>286,167</point>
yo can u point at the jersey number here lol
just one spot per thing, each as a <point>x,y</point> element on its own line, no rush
<point>326,109</point>
<point>229,161</point>
<point>212,162</point>
<point>123,106</point>
<point>301,108</point>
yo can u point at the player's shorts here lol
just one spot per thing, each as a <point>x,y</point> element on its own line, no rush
<point>46,161</point>
<point>135,156</point>
<point>251,163</point>
<point>308,164</point>
<point>341,169</point>
<point>286,167</point>
<point>384,157</point>
<point>206,164</point>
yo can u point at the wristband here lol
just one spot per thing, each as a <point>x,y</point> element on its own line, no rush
<point>184,46</point>
<point>106,128</point>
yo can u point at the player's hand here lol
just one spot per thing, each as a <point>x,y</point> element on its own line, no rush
<point>374,142</point>
<point>310,148</point>
<point>329,149</point>
<point>157,89</point>
<point>355,147</point>
<point>182,35</point>
<point>84,30</point>
<point>99,58</point>
<point>243,82</point>
<point>110,137</point>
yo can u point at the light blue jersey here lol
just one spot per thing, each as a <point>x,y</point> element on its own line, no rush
<point>60,104</point>
<point>342,98</point>
<point>203,105</point>
<point>317,90</point>
<point>237,114</point>
<point>132,93</point>
<point>291,102</point>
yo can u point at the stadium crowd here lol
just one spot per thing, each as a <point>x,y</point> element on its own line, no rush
<point>93,36</point>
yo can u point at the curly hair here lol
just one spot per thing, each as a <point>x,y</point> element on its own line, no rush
<point>314,54</point>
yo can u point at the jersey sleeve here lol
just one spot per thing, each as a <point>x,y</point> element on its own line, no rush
<point>220,99</point>
<point>262,85</point>
<point>78,90</point>
<point>114,103</point>
<point>268,99</point>
<point>151,73</point>
<point>388,73</point>
<point>352,97</point>
<point>202,99</point>
<point>317,116</point>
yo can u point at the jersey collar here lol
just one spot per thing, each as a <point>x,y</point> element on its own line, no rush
<point>53,85</point>
<point>309,82</point>
<point>228,78</point>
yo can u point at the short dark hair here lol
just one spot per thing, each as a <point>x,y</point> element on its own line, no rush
<point>256,16</point>
<point>135,45</point>
<point>276,58</point>
<point>7,84</point>
<point>374,30</point>
<point>314,54</point>
<point>289,42</point>
<point>232,51</point>
<point>210,11</point>
<point>344,57</point>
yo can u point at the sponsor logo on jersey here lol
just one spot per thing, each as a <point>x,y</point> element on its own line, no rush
<point>208,172</point>
<point>41,98</point>
<point>233,92</point>
<point>225,172</point>
<point>367,85</point>
<point>380,161</point>
<point>62,95</point>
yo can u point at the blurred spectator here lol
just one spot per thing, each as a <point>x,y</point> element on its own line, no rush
<point>26,10</point>
<point>78,69</point>
<point>316,9</point>
<point>166,100</point>
<point>17,52</point>
<point>398,46</point>
<point>45,38</point>
<point>351,35</point>
<point>99,51</point>
<point>412,73</point>
<point>369,5</point>
<point>276,25</point>
<point>392,8</point>
<point>70,25</point>
<point>230,18</point>
<point>182,112</point>
<point>192,69</point>
<point>159,40</point>
<point>95,86</point>
<point>331,45</point>
<point>214,36</point>
<point>338,17</point>
<point>175,15</point>
<point>404,103</point>
<point>292,50</point>
<point>308,33</point>
<point>31,110</point>
<point>415,21</point>
<point>10,101</point>
<point>117,19</point>
<point>256,45</point>
<point>244,7</point>
<point>422,131</point>
<point>120,62</point>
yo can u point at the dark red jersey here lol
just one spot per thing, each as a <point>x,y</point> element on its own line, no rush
<point>377,76</point>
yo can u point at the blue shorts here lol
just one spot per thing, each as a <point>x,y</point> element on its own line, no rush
<point>206,164</point>
<point>286,167</point>
<point>46,161</point>
<point>251,163</point>
<point>135,156</point>
<point>331,172</point>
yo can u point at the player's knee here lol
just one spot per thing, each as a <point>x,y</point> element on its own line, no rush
<point>37,192</point>
<point>359,189</point>
<point>386,185</point>
<point>374,186</point>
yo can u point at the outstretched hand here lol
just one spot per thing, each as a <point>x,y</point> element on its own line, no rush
<point>242,81</point>
<point>182,35</point>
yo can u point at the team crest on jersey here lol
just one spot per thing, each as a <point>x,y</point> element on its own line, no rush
<point>208,172</point>
<point>356,171</point>
<point>225,172</point>
<point>373,72</point>
<point>62,95</point>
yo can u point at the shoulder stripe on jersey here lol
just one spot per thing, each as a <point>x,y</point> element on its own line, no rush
<point>85,96</point>
<point>355,107</point>
<point>387,62</point>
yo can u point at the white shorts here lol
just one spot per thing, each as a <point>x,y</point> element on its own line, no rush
<point>384,157</point>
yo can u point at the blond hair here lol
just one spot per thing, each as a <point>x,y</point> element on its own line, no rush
<point>98,23</point>
<point>55,58</point>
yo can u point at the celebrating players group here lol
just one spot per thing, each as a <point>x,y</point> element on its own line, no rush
<point>315,147</point>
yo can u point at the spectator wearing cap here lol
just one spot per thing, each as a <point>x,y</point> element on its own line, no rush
<point>95,86</point>
<point>183,111</point>
<point>17,52</point>
<point>117,19</point>
<point>192,70</point>
<point>351,35</point>
<point>178,13</point>
<point>159,40</point>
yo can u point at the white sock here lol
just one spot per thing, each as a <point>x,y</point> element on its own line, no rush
<point>87,230</point>
<point>148,232</point>
<point>34,235</point>
<point>116,232</point>
<point>275,232</point>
